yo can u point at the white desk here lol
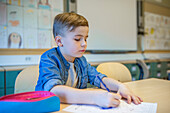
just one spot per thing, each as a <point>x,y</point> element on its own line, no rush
<point>150,90</point>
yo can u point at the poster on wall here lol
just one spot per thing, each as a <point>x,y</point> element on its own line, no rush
<point>30,3</point>
<point>3,37</point>
<point>44,19</point>
<point>30,17</point>
<point>157,32</point>
<point>30,38</point>
<point>15,16</point>
<point>44,38</point>
<point>3,12</point>
<point>15,37</point>
<point>15,2</point>
<point>44,4</point>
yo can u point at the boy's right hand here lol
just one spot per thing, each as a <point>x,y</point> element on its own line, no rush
<point>107,99</point>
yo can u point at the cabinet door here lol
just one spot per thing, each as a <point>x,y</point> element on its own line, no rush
<point>134,70</point>
<point>164,69</point>
<point>9,90</point>
<point>10,81</point>
<point>1,79</point>
<point>153,73</point>
<point>11,77</point>
<point>2,83</point>
<point>2,93</point>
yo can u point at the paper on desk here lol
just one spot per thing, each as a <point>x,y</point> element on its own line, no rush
<point>122,108</point>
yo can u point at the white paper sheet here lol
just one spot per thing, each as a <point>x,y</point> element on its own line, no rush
<point>122,108</point>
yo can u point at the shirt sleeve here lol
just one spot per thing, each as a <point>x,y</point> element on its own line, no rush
<point>49,74</point>
<point>92,72</point>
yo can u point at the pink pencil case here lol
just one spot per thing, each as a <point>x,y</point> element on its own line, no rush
<point>30,102</point>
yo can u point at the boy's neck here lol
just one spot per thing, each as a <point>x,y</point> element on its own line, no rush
<point>68,58</point>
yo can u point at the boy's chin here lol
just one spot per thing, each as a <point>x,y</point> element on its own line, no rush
<point>78,56</point>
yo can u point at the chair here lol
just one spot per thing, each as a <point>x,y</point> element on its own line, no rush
<point>27,79</point>
<point>144,70</point>
<point>116,71</point>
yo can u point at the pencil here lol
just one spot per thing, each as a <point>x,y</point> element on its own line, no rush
<point>103,83</point>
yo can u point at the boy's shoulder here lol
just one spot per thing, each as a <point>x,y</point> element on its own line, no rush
<point>50,52</point>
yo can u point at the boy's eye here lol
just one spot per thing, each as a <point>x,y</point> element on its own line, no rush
<point>77,39</point>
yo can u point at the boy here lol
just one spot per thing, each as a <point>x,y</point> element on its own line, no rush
<point>65,72</point>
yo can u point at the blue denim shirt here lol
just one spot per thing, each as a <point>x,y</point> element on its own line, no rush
<point>53,70</point>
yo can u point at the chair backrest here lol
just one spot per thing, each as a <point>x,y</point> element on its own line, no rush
<point>27,79</point>
<point>116,71</point>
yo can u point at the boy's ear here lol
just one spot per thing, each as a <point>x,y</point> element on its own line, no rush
<point>58,41</point>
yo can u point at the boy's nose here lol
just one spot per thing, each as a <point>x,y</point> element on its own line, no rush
<point>84,43</point>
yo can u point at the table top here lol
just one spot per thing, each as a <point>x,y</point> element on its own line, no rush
<point>150,90</point>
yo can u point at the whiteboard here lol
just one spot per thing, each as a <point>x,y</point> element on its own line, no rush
<point>112,24</point>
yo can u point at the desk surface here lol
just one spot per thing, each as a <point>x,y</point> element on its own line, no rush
<point>150,90</point>
<point>153,90</point>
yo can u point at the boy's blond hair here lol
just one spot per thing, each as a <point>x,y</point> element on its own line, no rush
<point>67,22</point>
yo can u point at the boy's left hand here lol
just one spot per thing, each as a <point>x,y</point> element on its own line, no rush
<point>125,92</point>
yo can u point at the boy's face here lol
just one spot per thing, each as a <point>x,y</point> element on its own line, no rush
<point>74,43</point>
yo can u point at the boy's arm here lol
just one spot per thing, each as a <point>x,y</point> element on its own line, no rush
<point>86,96</point>
<point>49,71</point>
<point>122,89</point>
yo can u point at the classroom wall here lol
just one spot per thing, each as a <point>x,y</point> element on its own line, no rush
<point>29,53</point>
<point>30,23</point>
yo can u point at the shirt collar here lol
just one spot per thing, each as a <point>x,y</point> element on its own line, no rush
<point>63,59</point>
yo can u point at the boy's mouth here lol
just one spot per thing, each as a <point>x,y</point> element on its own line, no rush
<point>82,50</point>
